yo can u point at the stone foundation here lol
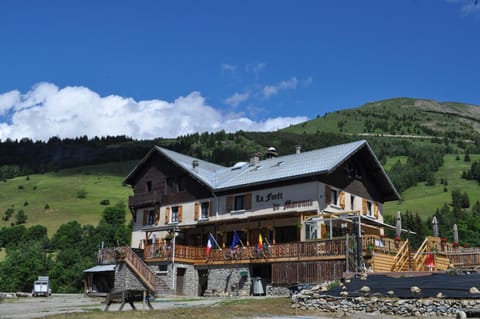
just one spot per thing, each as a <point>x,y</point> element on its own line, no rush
<point>126,279</point>
<point>386,306</point>
<point>228,281</point>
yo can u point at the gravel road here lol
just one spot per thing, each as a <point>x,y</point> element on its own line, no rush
<point>38,307</point>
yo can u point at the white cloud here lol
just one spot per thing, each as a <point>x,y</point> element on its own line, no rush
<point>470,8</point>
<point>236,99</point>
<point>47,111</point>
<point>228,67</point>
<point>270,90</point>
<point>8,100</point>
<point>467,7</point>
<point>255,68</point>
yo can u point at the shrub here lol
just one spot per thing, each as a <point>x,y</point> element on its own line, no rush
<point>105,202</point>
<point>25,203</point>
<point>82,194</point>
<point>46,206</point>
<point>21,217</point>
<point>35,187</point>
<point>20,186</point>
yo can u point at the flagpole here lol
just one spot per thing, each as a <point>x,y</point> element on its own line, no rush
<point>215,241</point>
<point>240,240</point>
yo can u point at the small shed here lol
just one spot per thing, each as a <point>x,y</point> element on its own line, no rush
<point>99,280</point>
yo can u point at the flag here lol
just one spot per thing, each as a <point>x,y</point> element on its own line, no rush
<point>430,260</point>
<point>236,239</point>
<point>209,244</point>
<point>260,241</point>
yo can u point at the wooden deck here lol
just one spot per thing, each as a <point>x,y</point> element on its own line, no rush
<point>298,251</point>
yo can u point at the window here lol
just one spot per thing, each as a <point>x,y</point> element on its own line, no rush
<point>352,202</point>
<point>205,209</point>
<point>334,197</point>
<point>239,202</point>
<point>149,218</point>
<point>311,231</point>
<point>174,217</point>
<point>148,185</point>
<point>370,208</point>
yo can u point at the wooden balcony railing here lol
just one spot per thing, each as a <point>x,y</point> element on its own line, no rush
<point>144,199</point>
<point>380,244</point>
<point>280,252</point>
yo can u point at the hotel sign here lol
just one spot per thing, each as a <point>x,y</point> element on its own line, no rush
<point>287,204</point>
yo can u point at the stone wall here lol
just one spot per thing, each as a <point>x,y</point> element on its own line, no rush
<point>228,280</point>
<point>169,280</point>
<point>126,279</point>
<point>383,305</point>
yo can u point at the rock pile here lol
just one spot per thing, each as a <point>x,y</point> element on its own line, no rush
<point>309,299</point>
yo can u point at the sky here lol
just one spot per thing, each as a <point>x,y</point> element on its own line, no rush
<point>149,68</point>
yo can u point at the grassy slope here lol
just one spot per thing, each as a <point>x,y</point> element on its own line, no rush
<point>425,199</point>
<point>392,112</point>
<point>59,190</point>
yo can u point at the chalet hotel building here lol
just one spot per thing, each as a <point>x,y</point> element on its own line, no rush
<point>204,229</point>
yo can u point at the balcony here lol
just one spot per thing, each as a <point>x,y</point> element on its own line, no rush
<point>144,199</point>
<point>297,251</point>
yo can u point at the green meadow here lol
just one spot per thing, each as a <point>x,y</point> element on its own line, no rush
<point>426,199</point>
<point>55,198</point>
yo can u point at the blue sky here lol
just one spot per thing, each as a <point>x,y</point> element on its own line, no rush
<point>165,68</point>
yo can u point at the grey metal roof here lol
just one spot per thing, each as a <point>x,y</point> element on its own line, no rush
<point>288,166</point>
<point>101,268</point>
<point>221,178</point>
<point>315,162</point>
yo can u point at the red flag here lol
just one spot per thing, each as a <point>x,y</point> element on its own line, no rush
<point>430,260</point>
<point>209,244</point>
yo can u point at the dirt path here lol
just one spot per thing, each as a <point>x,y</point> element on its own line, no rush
<point>38,307</point>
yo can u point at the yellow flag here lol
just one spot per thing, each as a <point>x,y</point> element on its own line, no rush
<point>260,241</point>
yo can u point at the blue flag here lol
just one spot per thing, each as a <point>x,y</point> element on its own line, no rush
<point>236,239</point>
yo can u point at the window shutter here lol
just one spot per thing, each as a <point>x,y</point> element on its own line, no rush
<point>180,213</point>
<point>328,195</point>
<point>145,216</point>
<point>229,204</point>
<point>248,201</point>
<point>167,215</point>
<point>364,206</point>
<point>196,211</point>
<point>342,200</point>
<point>324,231</point>
<point>375,211</point>
<point>157,216</point>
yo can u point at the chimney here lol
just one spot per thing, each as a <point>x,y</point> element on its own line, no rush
<point>254,159</point>
<point>271,152</point>
<point>195,164</point>
<point>298,149</point>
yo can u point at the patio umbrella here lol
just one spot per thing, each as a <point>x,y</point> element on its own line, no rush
<point>455,233</point>
<point>398,228</point>
<point>435,226</point>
